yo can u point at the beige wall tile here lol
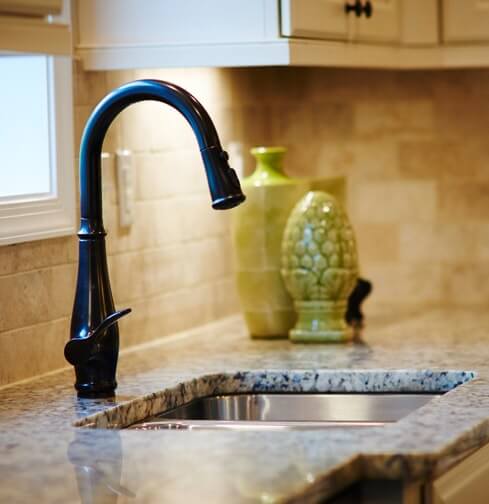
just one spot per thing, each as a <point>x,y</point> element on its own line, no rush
<point>444,159</point>
<point>152,126</point>
<point>449,242</point>
<point>147,273</point>
<point>35,255</point>
<point>226,297</point>
<point>464,201</point>
<point>33,350</point>
<point>89,87</point>
<point>36,296</point>
<point>166,314</point>
<point>377,242</point>
<point>359,160</point>
<point>394,201</point>
<point>302,121</point>
<point>169,174</point>
<point>466,284</point>
<point>406,284</point>
<point>461,118</point>
<point>374,119</point>
<point>481,238</point>
<point>412,146</point>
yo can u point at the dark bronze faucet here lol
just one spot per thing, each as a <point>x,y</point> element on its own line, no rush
<point>94,345</point>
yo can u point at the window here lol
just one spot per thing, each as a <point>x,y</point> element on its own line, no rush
<point>37,197</point>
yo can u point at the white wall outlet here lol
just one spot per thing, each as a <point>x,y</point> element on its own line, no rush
<point>125,187</point>
<point>236,159</point>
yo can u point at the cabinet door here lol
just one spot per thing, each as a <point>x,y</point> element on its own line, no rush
<point>318,19</point>
<point>466,483</point>
<point>326,19</point>
<point>35,26</point>
<point>465,21</point>
<point>384,25</point>
<point>153,23</point>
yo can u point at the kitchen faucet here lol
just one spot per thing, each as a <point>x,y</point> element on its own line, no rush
<point>94,345</point>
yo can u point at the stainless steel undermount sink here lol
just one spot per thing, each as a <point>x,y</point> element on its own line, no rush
<point>288,411</point>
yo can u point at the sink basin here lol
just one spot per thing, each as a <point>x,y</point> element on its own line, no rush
<point>287,411</point>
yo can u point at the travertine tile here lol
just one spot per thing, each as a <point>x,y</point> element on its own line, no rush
<point>359,160</point>
<point>399,118</point>
<point>449,242</point>
<point>464,200</point>
<point>33,350</point>
<point>36,296</point>
<point>198,218</point>
<point>226,297</point>
<point>481,238</point>
<point>156,223</point>
<point>253,124</point>
<point>400,283</point>
<point>394,201</point>
<point>412,146</point>
<point>350,85</point>
<point>89,87</point>
<point>461,118</point>
<point>117,78</point>
<point>169,174</point>
<point>466,284</point>
<point>377,242</point>
<point>23,257</point>
<point>147,273</point>
<point>444,159</point>
<point>153,126</point>
<point>301,122</point>
<point>166,314</point>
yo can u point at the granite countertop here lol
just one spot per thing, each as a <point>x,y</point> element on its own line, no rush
<point>45,458</point>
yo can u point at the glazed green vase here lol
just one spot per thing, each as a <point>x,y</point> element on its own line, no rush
<point>257,229</point>
<point>319,267</point>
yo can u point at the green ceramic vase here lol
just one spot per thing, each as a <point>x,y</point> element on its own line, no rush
<point>257,230</point>
<point>319,267</point>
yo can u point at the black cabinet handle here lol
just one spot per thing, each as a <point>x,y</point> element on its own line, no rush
<point>359,8</point>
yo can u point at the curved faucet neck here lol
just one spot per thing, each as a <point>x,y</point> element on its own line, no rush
<point>99,122</point>
<point>94,328</point>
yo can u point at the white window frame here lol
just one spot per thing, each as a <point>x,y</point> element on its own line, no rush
<point>36,217</point>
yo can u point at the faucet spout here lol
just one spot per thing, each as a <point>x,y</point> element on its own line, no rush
<point>95,375</point>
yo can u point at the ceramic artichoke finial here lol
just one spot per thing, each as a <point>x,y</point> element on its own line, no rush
<point>319,267</point>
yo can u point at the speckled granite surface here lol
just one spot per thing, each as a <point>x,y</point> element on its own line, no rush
<point>44,458</point>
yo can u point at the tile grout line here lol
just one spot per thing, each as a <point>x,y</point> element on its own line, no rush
<point>163,340</point>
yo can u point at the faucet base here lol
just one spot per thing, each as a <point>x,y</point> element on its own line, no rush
<point>101,389</point>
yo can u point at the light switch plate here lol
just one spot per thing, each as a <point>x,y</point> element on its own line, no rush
<point>236,159</point>
<point>125,187</point>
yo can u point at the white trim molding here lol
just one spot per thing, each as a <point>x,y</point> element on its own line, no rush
<point>35,217</point>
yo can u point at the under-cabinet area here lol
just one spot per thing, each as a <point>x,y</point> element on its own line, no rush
<point>402,34</point>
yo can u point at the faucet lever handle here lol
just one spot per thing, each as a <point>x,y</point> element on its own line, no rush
<point>79,350</point>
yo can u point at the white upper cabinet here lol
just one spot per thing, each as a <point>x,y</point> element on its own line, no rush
<point>31,7</point>
<point>465,21</point>
<point>400,34</point>
<point>125,23</point>
<point>375,21</point>
<point>320,19</point>
<point>117,34</point>
<point>35,26</point>
<point>383,25</point>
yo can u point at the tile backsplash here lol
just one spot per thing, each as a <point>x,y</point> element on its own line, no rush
<point>411,145</point>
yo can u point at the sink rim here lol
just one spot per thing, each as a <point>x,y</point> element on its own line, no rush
<point>127,412</point>
<point>287,411</point>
